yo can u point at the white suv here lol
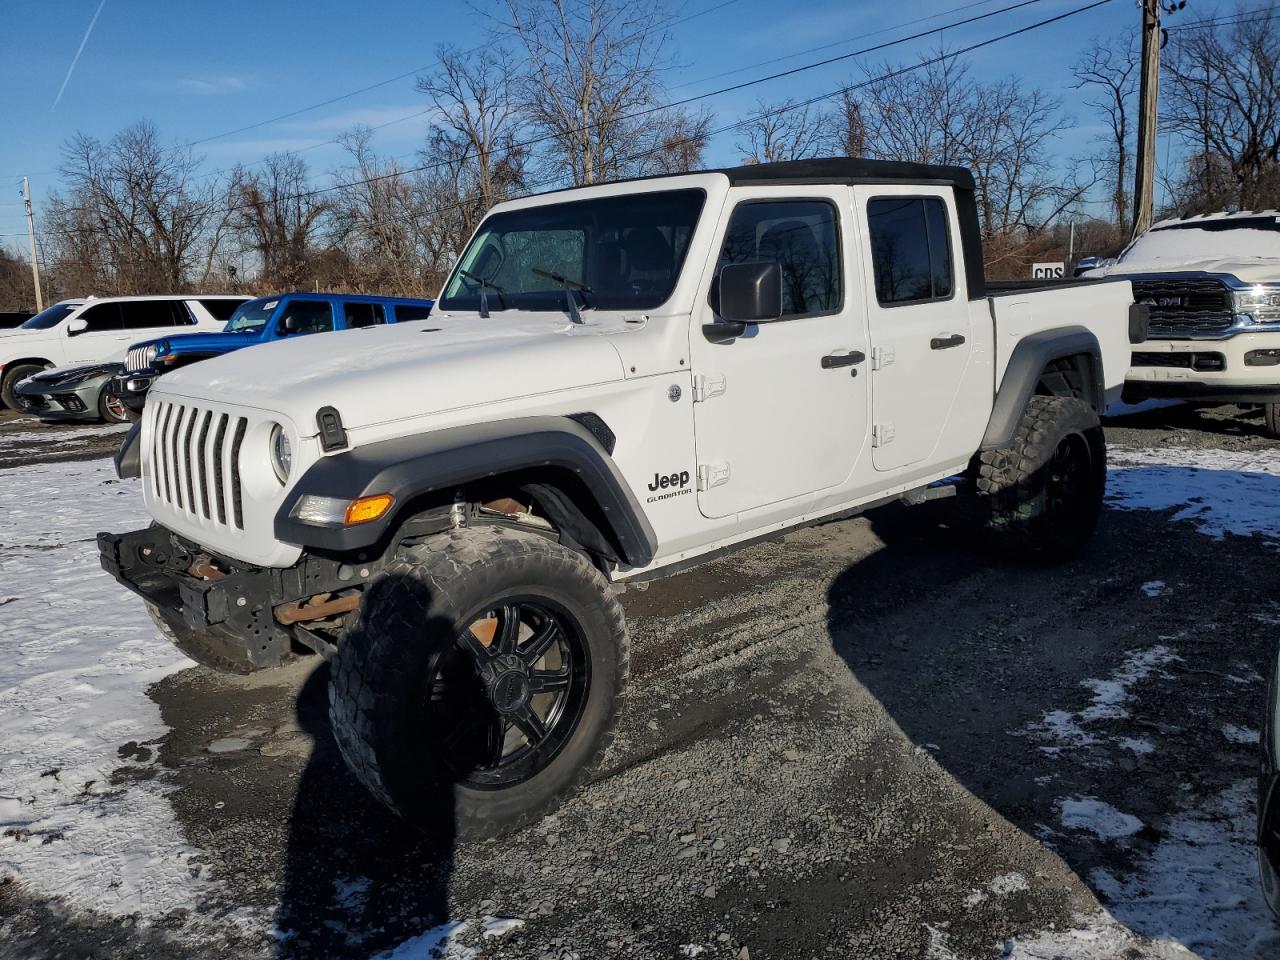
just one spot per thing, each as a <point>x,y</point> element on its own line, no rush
<point>85,331</point>
<point>1213,286</point>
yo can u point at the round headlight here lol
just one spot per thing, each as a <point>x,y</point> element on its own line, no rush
<point>281,453</point>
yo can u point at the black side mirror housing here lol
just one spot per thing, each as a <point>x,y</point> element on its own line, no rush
<point>289,324</point>
<point>751,292</point>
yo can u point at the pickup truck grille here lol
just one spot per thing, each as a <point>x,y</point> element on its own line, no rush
<point>194,457</point>
<point>136,360</point>
<point>1196,307</point>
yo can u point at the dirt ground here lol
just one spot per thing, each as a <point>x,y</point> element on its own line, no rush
<point>870,739</point>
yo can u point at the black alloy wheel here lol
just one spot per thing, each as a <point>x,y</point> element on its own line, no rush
<point>509,693</point>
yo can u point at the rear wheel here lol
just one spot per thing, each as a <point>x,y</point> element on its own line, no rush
<point>485,669</point>
<point>1042,495</point>
<point>12,377</point>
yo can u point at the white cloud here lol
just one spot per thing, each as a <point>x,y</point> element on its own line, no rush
<point>212,85</point>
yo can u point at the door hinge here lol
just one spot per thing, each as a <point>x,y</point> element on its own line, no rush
<point>712,475</point>
<point>706,386</point>
<point>881,357</point>
<point>882,434</point>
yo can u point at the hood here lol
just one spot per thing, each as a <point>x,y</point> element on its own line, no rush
<point>66,377</point>
<point>1248,270</point>
<point>402,370</point>
<point>213,342</point>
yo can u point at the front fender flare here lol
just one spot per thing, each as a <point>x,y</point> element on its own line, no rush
<point>443,460</point>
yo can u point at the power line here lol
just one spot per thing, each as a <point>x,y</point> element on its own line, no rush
<point>409,73</point>
<point>740,123</point>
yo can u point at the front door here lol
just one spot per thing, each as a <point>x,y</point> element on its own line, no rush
<point>918,310</point>
<point>780,411</point>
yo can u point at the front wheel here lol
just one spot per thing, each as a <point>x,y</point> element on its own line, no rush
<point>111,408</point>
<point>1271,419</point>
<point>480,680</point>
<point>12,377</point>
<point>1043,494</point>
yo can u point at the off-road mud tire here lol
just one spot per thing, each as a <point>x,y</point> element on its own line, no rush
<point>12,377</point>
<point>418,606</point>
<point>1015,484</point>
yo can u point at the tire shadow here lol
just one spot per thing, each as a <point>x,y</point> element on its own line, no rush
<point>356,879</point>
<point>1039,688</point>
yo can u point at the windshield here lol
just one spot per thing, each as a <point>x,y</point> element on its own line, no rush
<point>50,317</point>
<point>1235,238</point>
<point>252,317</point>
<point>612,253</point>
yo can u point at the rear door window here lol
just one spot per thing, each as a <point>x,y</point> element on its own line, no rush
<point>140,314</point>
<point>411,311</point>
<point>363,315</point>
<point>910,249</point>
<point>221,309</point>
<point>301,317</point>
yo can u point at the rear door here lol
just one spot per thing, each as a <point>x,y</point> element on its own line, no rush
<point>774,420</point>
<point>918,312</point>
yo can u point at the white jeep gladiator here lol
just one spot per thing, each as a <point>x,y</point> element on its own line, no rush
<point>1213,287</point>
<point>619,381</point>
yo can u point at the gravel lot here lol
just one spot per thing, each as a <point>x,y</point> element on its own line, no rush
<point>869,739</point>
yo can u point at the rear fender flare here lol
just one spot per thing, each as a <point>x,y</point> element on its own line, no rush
<point>1029,360</point>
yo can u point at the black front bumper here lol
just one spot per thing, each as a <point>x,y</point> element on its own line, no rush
<point>132,389</point>
<point>228,617</point>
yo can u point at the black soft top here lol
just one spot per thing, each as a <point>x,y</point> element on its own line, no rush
<point>849,170</point>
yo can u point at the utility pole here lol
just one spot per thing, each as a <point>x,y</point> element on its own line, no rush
<point>31,235</point>
<point>1144,187</point>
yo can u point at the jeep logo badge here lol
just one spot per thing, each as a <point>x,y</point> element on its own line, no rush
<point>674,484</point>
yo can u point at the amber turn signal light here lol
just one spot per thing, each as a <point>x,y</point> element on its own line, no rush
<point>368,508</point>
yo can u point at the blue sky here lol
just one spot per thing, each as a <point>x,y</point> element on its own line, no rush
<point>201,69</point>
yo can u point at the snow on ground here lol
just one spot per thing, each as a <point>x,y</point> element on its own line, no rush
<point>1220,491</point>
<point>79,654</point>
<point>1196,895</point>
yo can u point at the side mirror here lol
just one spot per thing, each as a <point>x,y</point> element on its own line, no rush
<point>78,325</point>
<point>751,292</point>
<point>289,324</point>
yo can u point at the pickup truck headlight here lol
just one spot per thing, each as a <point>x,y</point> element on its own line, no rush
<point>281,453</point>
<point>149,355</point>
<point>1258,305</point>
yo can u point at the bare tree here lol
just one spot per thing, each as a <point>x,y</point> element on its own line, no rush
<point>784,131</point>
<point>1001,131</point>
<point>476,101</point>
<point>382,224</point>
<point>681,145</point>
<point>135,217</point>
<point>592,85</point>
<point>276,214</point>
<point>17,292</point>
<point>1223,97</point>
<point>1110,68</point>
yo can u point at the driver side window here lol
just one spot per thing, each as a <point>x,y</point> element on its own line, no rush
<point>103,318</point>
<point>803,237</point>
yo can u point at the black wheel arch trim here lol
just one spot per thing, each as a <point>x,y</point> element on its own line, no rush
<point>1030,358</point>
<point>410,468</point>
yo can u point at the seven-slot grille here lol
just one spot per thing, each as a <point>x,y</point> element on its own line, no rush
<point>136,360</point>
<point>194,456</point>
<point>1185,306</point>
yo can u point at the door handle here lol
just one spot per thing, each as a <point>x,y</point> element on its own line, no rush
<point>850,359</point>
<point>947,342</point>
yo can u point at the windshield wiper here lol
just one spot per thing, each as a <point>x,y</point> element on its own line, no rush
<point>485,287</point>
<point>569,286</point>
